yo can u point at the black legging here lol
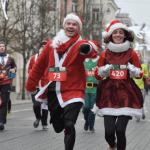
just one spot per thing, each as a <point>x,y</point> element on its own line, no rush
<point>70,132</point>
<point>116,124</point>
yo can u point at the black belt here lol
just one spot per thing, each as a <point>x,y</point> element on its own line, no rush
<point>91,84</point>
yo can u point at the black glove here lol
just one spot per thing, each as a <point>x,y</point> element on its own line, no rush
<point>84,49</point>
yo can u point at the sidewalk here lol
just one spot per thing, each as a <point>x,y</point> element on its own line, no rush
<point>15,101</point>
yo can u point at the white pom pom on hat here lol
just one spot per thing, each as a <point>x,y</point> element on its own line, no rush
<point>95,45</point>
<point>116,24</point>
<point>73,16</point>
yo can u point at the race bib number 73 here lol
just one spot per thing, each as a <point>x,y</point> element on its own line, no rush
<point>57,73</point>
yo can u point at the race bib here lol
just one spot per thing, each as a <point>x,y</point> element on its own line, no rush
<point>57,73</point>
<point>90,73</point>
<point>118,72</point>
<point>2,75</point>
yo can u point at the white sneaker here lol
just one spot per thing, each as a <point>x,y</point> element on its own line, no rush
<point>45,128</point>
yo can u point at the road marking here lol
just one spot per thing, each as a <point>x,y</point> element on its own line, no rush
<point>21,110</point>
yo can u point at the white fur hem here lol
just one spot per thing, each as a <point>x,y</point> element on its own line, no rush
<point>117,48</point>
<point>119,111</point>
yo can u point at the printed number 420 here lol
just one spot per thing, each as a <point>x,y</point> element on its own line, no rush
<point>56,75</point>
<point>117,73</point>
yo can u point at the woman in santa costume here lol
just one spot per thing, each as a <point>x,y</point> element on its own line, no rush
<point>7,66</point>
<point>41,103</point>
<point>118,97</point>
<point>63,59</point>
<point>91,88</point>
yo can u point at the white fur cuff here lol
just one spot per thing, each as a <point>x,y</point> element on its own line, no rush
<point>95,109</point>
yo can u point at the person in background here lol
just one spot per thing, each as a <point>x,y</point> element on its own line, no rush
<point>7,66</point>
<point>91,88</point>
<point>141,85</point>
<point>40,115</point>
<point>118,97</point>
<point>13,75</point>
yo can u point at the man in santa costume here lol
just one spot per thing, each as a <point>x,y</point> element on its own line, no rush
<point>41,104</point>
<point>63,59</point>
<point>91,88</point>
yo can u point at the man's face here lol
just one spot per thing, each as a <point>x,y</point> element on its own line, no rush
<point>71,28</point>
<point>2,48</point>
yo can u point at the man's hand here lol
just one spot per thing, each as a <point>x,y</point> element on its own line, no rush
<point>84,49</point>
<point>12,70</point>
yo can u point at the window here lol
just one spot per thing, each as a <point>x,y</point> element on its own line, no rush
<point>74,6</point>
<point>95,15</point>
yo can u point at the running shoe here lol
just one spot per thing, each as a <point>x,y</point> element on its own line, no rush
<point>115,147</point>
<point>36,123</point>
<point>91,129</point>
<point>45,128</point>
<point>1,126</point>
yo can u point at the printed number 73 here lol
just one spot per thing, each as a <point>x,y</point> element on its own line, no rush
<point>56,75</point>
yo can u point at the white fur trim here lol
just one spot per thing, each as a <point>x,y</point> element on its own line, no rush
<point>34,92</point>
<point>71,16</point>
<point>117,26</point>
<point>93,60</point>
<point>95,109</point>
<point>117,48</point>
<point>94,46</point>
<point>119,111</point>
<point>61,37</point>
<point>104,34</point>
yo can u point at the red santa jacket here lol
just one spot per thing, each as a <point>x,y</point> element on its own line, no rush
<point>71,90</point>
<point>32,62</point>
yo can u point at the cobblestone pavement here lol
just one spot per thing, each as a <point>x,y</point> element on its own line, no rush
<point>19,133</point>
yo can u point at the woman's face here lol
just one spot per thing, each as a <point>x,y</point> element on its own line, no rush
<point>118,36</point>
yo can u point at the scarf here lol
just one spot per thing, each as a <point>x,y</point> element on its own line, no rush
<point>63,47</point>
<point>3,54</point>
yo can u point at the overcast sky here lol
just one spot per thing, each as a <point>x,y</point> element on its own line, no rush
<point>138,10</point>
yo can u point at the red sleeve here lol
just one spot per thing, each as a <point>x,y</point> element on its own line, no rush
<point>100,64</point>
<point>32,61</point>
<point>136,62</point>
<point>38,69</point>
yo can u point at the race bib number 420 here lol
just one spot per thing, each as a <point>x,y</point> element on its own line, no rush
<point>57,73</point>
<point>119,72</point>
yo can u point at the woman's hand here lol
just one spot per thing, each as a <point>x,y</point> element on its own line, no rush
<point>12,70</point>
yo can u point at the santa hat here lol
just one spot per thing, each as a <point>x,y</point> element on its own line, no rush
<point>43,43</point>
<point>73,16</point>
<point>116,24</point>
<point>95,45</point>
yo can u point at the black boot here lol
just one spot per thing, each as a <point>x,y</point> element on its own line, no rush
<point>86,126</point>
<point>86,116</point>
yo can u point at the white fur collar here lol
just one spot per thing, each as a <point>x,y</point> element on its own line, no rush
<point>117,48</point>
<point>61,37</point>
<point>93,60</point>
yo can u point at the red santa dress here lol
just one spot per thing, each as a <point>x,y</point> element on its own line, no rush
<point>118,96</point>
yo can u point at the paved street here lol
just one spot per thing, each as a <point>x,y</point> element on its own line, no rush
<point>20,134</point>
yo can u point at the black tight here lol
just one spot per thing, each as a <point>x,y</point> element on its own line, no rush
<point>116,124</point>
<point>68,125</point>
